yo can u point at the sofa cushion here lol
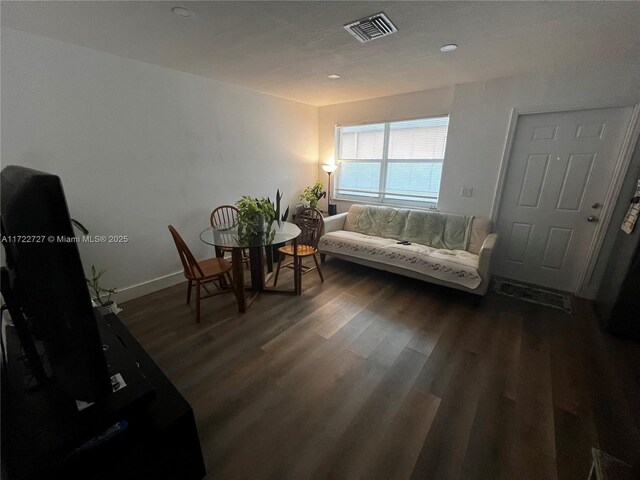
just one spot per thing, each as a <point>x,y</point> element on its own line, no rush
<point>438,230</point>
<point>455,266</point>
<point>353,215</point>
<point>383,222</point>
<point>435,229</point>
<point>480,228</point>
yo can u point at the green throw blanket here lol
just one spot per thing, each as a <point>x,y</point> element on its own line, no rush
<point>435,229</point>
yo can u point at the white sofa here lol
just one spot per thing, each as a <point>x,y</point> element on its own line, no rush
<point>445,249</point>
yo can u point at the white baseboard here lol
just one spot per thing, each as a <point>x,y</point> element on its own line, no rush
<point>144,288</point>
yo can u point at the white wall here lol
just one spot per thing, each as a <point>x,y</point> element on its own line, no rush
<point>479,119</point>
<point>139,147</point>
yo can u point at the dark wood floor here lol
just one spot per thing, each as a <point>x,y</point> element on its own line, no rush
<point>373,375</point>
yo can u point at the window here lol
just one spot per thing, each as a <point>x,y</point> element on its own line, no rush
<point>398,162</point>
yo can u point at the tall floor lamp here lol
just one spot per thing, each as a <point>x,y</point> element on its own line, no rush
<point>330,168</point>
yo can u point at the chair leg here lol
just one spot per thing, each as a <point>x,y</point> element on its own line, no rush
<point>227,277</point>
<point>298,275</point>
<point>315,259</point>
<point>189,292</point>
<point>275,279</point>
<point>197,302</point>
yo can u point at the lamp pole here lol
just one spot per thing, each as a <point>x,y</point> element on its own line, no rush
<point>330,168</point>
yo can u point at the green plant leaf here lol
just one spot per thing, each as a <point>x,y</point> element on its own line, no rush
<point>79,226</point>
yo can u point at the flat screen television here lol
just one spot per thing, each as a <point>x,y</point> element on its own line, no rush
<point>51,300</point>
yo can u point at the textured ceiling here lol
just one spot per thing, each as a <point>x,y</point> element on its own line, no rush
<point>288,48</point>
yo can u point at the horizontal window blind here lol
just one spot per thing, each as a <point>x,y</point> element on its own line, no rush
<point>418,139</point>
<point>362,142</point>
<point>396,162</point>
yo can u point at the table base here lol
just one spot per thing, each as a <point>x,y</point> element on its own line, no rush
<point>258,280</point>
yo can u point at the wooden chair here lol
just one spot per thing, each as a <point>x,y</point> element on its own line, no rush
<point>213,271</point>
<point>311,225</point>
<point>226,216</point>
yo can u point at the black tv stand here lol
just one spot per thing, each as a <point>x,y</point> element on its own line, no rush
<point>40,441</point>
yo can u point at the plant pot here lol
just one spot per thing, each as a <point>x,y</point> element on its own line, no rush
<point>260,224</point>
<point>110,307</point>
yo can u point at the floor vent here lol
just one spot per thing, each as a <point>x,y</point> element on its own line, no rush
<point>370,28</point>
<point>529,293</point>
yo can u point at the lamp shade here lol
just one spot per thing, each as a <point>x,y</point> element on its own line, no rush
<point>329,167</point>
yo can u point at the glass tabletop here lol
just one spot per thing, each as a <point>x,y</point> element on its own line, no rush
<point>229,237</point>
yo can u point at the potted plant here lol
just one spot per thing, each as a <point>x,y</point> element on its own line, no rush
<point>255,215</point>
<point>101,295</point>
<point>312,194</point>
<point>285,215</point>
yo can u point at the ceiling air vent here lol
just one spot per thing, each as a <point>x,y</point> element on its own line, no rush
<point>370,28</point>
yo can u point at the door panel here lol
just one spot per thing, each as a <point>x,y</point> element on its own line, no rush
<point>545,133</point>
<point>533,180</point>
<point>574,185</point>
<point>594,130</point>
<point>519,241</point>
<point>557,247</point>
<point>558,175</point>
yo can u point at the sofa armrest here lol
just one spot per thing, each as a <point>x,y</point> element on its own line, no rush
<point>334,223</point>
<point>484,257</point>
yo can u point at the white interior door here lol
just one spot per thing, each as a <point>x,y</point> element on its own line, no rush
<point>558,174</point>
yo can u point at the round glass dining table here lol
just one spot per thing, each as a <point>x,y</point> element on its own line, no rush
<point>231,238</point>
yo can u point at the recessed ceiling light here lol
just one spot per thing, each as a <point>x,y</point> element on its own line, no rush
<point>334,76</point>
<point>182,12</point>
<point>450,47</point>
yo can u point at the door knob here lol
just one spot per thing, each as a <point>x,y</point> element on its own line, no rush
<point>595,205</point>
<point>592,218</point>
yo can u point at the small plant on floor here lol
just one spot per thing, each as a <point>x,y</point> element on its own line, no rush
<point>312,194</point>
<point>100,294</point>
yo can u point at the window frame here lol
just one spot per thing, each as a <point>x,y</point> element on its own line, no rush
<point>381,197</point>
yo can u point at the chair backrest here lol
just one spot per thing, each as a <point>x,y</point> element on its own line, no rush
<point>224,216</point>
<point>191,267</point>
<point>311,225</point>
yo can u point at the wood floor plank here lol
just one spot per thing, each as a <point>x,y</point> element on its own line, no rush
<point>573,445</point>
<point>442,362</point>
<point>372,375</point>
<point>324,426</point>
<point>534,435</point>
<point>432,324</point>
<point>357,446</point>
<point>262,444</point>
<point>490,440</point>
<point>443,452</point>
<point>397,452</point>
<point>316,317</point>
<point>492,433</point>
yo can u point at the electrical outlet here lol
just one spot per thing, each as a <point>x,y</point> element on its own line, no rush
<point>466,192</point>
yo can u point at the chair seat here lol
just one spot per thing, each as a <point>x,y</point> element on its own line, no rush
<point>214,266</point>
<point>303,250</point>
